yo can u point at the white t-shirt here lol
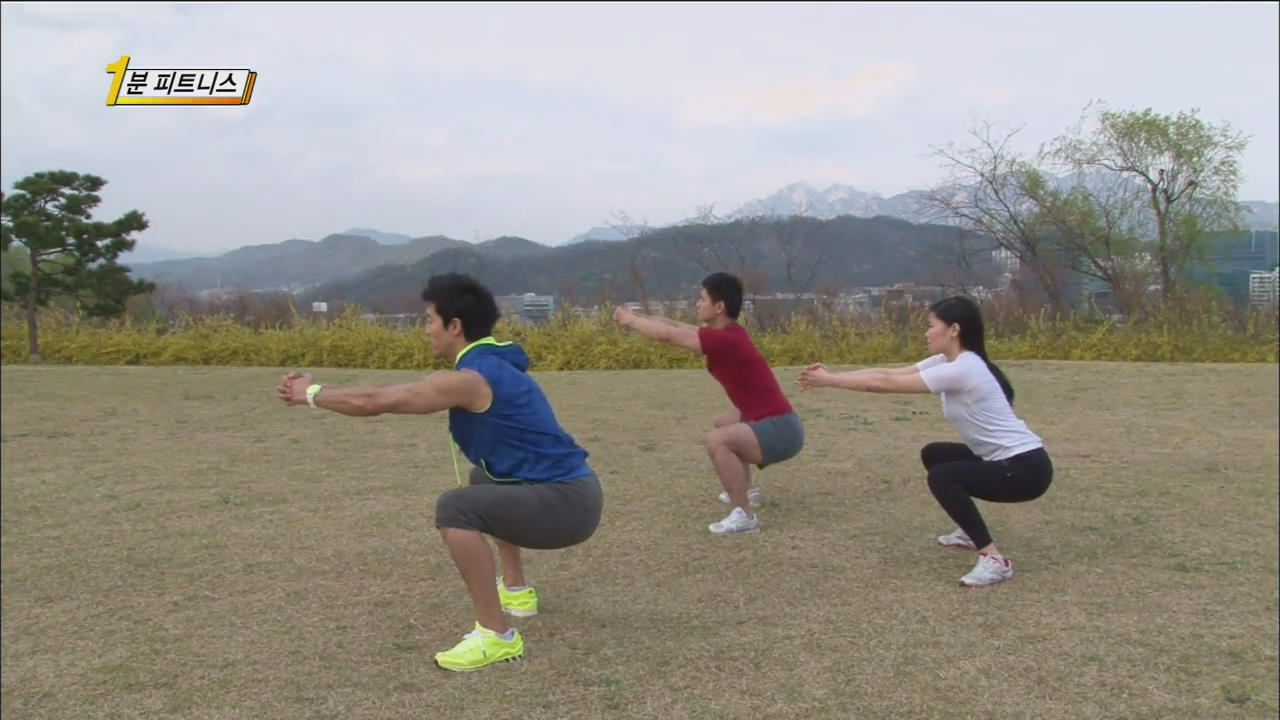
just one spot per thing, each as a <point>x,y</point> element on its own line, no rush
<point>974,403</point>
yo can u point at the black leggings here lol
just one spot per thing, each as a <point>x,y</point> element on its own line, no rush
<point>957,475</point>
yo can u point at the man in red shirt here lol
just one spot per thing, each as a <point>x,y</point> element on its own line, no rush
<point>762,429</point>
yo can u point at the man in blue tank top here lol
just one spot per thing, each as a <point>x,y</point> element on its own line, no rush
<point>530,486</point>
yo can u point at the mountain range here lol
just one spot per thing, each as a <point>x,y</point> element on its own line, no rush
<point>1261,215</point>
<point>803,199</point>
<point>796,254</point>
<point>297,264</point>
<point>292,264</point>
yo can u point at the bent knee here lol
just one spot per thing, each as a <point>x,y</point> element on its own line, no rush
<point>931,454</point>
<point>939,477</point>
<point>449,506</point>
<point>727,419</point>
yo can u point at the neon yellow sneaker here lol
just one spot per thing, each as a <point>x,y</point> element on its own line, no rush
<point>519,604</point>
<point>481,648</point>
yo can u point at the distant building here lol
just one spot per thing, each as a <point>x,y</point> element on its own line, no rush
<point>1230,262</point>
<point>219,294</point>
<point>399,321</point>
<point>656,307</point>
<point>1232,259</point>
<point>769,309</point>
<point>873,299</point>
<point>1264,288</point>
<point>1005,260</point>
<point>528,307</point>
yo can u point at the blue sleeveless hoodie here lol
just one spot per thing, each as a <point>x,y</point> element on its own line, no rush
<point>518,438</point>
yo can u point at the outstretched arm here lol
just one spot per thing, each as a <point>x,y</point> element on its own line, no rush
<point>816,376</point>
<point>438,391</point>
<point>652,328</point>
<point>667,321</point>
<point>908,370</point>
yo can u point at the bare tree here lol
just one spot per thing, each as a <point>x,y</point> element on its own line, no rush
<point>985,193</point>
<point>567,289</point>
<point>962,267</point>
<point>631,232</point>
<point>802,256</point>
<point>169,301</point>
<point>730,244</point>
<point>705,250</point>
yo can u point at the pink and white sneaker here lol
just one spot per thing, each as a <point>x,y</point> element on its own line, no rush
<point>991,569</point>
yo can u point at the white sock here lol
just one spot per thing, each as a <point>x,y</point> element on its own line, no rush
<point>508,636</point>
<point>520,588</point>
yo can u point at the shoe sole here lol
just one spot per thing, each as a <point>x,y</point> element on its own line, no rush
<point>508,661</point>
<point>997,582</point>
<point>752,531</point>
<point>520,613</point>
<point>958,547</point>
<point>966,585</point>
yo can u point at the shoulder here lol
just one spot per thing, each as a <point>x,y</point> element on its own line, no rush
<point>463,379</point>
<point>973,368</point>
<point>486,356</point>
<point>732,338</point>
<point>971,362</point>
<point>931,361</point>
<point>731,332</point>
<point>487,367</point>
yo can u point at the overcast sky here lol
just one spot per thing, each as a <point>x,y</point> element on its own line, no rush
<point>539,121</point>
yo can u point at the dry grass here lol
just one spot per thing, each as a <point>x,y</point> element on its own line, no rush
<point>176,544</point>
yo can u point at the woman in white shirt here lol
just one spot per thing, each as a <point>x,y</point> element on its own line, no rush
<point>1000,460</point>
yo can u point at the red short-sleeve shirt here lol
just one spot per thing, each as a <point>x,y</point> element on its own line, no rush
<point>735,362</point>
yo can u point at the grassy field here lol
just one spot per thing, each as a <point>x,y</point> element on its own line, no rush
<point>177,544</point>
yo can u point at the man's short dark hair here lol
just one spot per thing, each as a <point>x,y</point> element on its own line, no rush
<point>460,296</point>
<point>725,288</point>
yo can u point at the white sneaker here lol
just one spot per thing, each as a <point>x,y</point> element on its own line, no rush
<point>753,497</point>
<point>738,522</point>
<point>990,570</point>
<point>957,539</point>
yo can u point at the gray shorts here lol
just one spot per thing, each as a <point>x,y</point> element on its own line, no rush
<point>538,516</point>
<point>781,437</point>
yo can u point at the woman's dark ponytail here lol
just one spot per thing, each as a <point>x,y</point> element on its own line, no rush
<point>963,312</point>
